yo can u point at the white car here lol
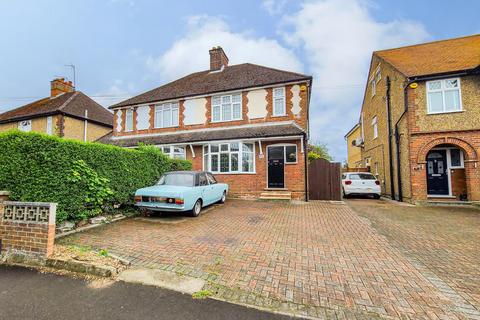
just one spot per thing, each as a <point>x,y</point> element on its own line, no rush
<point>360,183</point>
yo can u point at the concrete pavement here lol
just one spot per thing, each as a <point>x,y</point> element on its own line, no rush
<point>28,294</point>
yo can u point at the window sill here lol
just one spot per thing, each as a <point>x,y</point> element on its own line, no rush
<point>231,173</point>
<point>220,121</point>
<point>278,115</point>
<point>445,112</point>
<point>165,127</point>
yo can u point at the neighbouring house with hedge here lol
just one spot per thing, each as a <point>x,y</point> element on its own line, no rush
<point>65,113</point>
<point>85,179</point>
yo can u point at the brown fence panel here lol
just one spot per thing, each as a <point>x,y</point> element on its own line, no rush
<point>324,180</point>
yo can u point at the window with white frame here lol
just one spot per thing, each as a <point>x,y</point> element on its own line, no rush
<point>166,115</point>
<point>373,87</point>
<point>174,152</point>
<point>129,120</point>
<point>232,157</point>
<point>227,107</point>
<point>444,96</point>
<point>289,152</point>
<point>375,127</point>
<point>50,125</point>
<point>279,108</point>
<point>25,125</point>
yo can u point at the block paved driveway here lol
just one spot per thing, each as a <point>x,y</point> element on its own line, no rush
<point>319,259</point>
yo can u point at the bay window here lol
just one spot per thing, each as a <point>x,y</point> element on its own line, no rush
<point>279,108</point>
<point>227,108</point>
<point>229,157</point>
<point>166,115</point>
<point>444,96</point>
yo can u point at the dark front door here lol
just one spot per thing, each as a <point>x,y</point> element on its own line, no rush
<point>276,167</point>
<point>437,175</point>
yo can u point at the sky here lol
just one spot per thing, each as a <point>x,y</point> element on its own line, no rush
<point>121,48</point>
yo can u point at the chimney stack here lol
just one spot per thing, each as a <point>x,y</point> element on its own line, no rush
<point>218,59</point>
<point>59,86</point>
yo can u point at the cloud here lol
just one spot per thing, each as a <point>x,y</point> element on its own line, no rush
<point>190,53</point>
<point>337,38</point>
<point>274,7</point>
<point>113,94</point>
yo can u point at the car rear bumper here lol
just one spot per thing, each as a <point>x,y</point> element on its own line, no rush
<point>374,190</point>
<point>161,206</point>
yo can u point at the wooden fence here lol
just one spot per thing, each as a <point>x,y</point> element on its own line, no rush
<point>324,180</point>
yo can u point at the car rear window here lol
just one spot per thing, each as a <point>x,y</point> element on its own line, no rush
<point>362,176</point>
<point>177,179</point>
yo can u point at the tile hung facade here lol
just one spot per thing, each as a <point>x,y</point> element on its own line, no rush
<point>246,123</point>
<point>426,147</point>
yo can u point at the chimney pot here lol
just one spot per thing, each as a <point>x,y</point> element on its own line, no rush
<point>218,59</point>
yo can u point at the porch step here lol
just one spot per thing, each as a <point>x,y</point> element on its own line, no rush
<point>444,202</point>
<point>276,195</point>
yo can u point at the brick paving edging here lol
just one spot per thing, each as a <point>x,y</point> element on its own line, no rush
<point>252,299</point>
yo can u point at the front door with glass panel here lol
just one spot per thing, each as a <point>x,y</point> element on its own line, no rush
<point>276,167</point>
<point>437,174</point>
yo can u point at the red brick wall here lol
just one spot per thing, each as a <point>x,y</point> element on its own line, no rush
<point>459,183</point>
<point>250,185</point>
<point>31,238</point>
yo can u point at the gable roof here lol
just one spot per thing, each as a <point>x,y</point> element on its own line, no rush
<point>72,103</point>
<point>436,57</point>
<point>233,77</point>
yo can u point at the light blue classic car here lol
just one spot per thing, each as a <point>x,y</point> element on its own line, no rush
<point>182,191</point>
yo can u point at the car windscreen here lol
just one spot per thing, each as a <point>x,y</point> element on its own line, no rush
<point>177,179</point>
<point>362,176</point>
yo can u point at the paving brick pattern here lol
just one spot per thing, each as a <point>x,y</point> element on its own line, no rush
<point>319,259</point>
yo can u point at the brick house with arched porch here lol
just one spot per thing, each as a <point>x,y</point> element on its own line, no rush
<point>420,120</point>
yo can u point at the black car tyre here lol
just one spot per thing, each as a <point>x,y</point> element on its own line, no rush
<point>197,208</point>
<point>376,196</point>
<point>224,197</point>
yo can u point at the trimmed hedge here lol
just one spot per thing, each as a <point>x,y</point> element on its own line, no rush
<point>83,178</point>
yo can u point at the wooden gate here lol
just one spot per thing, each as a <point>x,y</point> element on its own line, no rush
<point>324,181</point>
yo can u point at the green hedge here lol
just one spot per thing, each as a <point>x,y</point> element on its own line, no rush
<point>83,178</point>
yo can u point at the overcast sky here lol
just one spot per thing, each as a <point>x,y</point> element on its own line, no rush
<point>123,47</point>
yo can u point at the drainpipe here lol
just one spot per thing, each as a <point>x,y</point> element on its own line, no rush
<point>389,128</point>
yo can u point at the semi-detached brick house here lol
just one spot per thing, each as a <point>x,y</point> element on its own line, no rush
<point>246,123</point>
<point>66,113</point>
<point>420,120</point>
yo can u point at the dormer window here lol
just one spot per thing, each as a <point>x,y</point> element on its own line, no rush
<point>227,108</point>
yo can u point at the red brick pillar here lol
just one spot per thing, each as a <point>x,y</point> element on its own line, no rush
<point>27,228</point>
<point>472,176</point>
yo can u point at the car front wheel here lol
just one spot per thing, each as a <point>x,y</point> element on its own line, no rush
<point>224,197</point>
<point>197,208</point>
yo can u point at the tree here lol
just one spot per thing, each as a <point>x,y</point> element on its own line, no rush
<point>318,151</point>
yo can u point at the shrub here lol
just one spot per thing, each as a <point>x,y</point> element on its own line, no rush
<point>83,178</point>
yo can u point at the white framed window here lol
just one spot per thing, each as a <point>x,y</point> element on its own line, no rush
<point>376,169</point>
<point>444,96</point>
<point>49,125</point>
<point>227,108</point>
<point>229,157</point>
<point>375,127</point>
<point>279,107</point>
<point>25,125</point>
<point>129,120</point>
<point>166,115</point>
<point>289,152</point>
<point>456,158</point>
<point>378,75</point>
<point>174,152</point>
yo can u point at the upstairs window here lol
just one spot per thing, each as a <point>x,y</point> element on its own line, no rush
<point>129,120</point>
<point>279,108</point>
<point>166,115</point>
<point>227,108</point>
<point>444,96</point>
<point>375,127</point>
